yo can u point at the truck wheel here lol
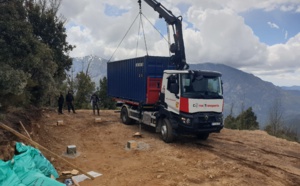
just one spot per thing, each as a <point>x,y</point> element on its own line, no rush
<point>166,131</point>
<point>124,116</point>
<point>202,136</point>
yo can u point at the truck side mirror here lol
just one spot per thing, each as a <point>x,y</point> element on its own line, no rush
<point>174,88</point>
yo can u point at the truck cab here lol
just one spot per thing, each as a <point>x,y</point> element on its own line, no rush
<point>192,101</point>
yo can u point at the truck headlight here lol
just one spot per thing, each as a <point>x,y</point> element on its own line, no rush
<point>220,118</point>
<point>187,121</point>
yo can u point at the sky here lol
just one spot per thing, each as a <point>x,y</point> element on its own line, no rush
<point>260,37</point>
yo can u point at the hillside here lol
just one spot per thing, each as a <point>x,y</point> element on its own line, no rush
<point>291,88</point>
<point>226,158</point>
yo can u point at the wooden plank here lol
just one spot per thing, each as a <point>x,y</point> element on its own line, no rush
<point>25,129</point>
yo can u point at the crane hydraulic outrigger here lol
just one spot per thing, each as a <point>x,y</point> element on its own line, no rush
<point>174,102</point>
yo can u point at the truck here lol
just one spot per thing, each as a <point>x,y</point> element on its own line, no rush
<point>162,92</point>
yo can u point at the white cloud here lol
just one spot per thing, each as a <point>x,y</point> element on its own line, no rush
<point>215,32</point>
<point>242,5</point>
<point>81,38</point>
<point>281,66</point>
<point>285,56</point>
<point>273,25</point>
<point>287,8</point>
<point>223,38</point>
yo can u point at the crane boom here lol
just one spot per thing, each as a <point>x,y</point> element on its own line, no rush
<point>178,59</point>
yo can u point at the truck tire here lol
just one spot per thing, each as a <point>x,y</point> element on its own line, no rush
<point>124,116</point>
<point>166,131</point>
<point>202,136</point>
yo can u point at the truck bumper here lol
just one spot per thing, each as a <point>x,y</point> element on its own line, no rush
<point>207,128</point>
<point>199,123</point>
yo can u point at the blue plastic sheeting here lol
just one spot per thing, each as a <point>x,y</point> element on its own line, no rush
<point>30,167</point>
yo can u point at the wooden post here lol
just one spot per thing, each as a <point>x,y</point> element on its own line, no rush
<point>41,147</point>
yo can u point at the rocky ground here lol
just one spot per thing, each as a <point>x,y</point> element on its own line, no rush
<point>228,158</point>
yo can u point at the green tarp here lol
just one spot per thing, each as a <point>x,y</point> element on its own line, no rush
<point>28,168</point>
<point>8,176</point>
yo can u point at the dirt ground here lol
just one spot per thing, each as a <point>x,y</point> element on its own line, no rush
<point>227,158</point>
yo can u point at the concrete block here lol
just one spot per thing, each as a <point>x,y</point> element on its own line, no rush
<point>132,144</point>
<point>71,149</point>
<point>60,122</point>
<point>97,120</point>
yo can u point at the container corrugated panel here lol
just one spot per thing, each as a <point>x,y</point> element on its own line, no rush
<point>127,79</point>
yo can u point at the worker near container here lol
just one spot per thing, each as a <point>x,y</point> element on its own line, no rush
<point>60,103</point>
<point>69,100</point>
<point>95,102</point>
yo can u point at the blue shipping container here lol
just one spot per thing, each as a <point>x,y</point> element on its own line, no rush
<point>129,79</point>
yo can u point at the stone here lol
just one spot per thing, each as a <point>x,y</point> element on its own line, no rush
<point>71,149</point>
<point>60,122</point>
<point>132,144</point>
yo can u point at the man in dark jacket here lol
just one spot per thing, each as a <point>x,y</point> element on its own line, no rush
<point>95,100</point>
<point>69,100</point>
<point>60,103</point>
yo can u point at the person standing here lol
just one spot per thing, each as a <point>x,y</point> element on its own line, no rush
<point>69,100</point>
<point>95,101</point>
<point>60,103</point>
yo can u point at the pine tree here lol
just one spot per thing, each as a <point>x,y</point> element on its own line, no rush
<point>230,122</point>
<point>84,89</point>
<point>50,30</point>
<point>22,58</point>
<point>106,101</point>
<point>247,120</point>
<point>33,52</point>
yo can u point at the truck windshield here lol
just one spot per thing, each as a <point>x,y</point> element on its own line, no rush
<point>201,86</point>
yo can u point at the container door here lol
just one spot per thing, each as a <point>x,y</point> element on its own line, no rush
<point>153,89</point>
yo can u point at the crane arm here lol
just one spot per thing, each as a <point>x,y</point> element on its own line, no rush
<point>178,59</point>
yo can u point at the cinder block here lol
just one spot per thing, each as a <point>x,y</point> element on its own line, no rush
<point>71,149</point>
<point>97,120</point>
<point>60,122</point>
<point>132,144</point>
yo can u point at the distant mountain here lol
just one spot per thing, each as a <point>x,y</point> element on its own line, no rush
<point>241,90</point>
<point>291,88</point>
<point>96,67</point>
